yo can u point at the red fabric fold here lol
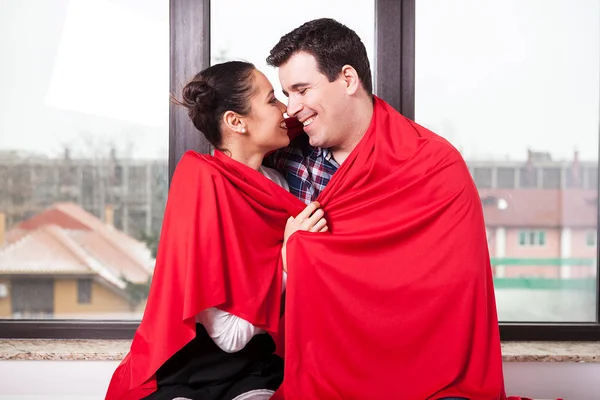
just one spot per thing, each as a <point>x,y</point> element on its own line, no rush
<point>220,246</point>
<point>398,302</point>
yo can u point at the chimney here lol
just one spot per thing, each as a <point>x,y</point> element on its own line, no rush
<point>109,215</point>
<point>2,227</point>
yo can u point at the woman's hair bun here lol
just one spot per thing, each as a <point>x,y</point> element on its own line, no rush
<point>200,98</point>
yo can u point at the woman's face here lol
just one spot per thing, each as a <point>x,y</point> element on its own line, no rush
<point>265,122</point>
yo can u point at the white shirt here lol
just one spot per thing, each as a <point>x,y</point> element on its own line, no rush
<point>229,332</point>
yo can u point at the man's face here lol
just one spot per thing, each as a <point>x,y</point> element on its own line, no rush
<point>314,101</point>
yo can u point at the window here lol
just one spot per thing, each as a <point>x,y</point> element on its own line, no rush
<point>510,80</point>
<point>574,176</point>
<point>84,134</point>
<point>32,297</point>
<point>506,178</point>
<point>591,239</point>
<point>84,291</point>
<point>482,177</point>
<point>532,238</point>
<point>466,69</point>
<point>551,178</point>
<point>528,177</point>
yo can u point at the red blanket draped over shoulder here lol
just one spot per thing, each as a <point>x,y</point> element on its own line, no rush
<point>220,246</point>
<point>398,302</point>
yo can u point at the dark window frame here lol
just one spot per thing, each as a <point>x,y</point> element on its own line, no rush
<point>394,82</point>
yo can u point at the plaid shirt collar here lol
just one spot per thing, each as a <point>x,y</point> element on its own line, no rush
<point>327,155</point>
<point>307,169</point>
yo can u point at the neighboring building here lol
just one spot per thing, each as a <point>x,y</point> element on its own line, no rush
<point>541,216</point>
<point>66,263</point>
<point>136,189</point>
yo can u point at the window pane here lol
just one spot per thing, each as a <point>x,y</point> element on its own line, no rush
<point>574,176</point>
<point>227,43</point>
<point>528,177</point>
<point>591,239</point>
<point>522,238</point>
<point>83,155</point>
<point>551,178</point>
<point>84,291</point>
<point>518,82</point>
<point>506,178</point>
<point>542,238</point>
<point>482,177</point>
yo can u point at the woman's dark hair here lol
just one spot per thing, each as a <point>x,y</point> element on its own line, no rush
<point>331,43</point>
<point>215,90</point>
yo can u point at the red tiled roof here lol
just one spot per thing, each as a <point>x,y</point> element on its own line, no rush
<point>67,239</point>
<point>576,208</point>
<point>51,254</point>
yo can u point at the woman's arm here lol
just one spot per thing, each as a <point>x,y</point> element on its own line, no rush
<point>230,332</point>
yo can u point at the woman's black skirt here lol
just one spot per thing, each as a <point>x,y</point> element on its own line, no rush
<point>201,370</point>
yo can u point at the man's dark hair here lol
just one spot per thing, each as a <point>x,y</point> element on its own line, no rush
<point>331,43</point>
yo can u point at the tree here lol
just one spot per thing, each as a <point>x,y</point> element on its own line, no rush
<point>137,292</point>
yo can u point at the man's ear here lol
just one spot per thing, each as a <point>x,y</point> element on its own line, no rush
<point>351,79</point>
<point>234,122</point>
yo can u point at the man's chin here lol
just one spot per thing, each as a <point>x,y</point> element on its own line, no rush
<point>314,141</point>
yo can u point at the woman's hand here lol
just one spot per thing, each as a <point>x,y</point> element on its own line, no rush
<point>310,219</point>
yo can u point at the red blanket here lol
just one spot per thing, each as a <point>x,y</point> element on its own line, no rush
<point>220,247</point>
<point>398,302</point>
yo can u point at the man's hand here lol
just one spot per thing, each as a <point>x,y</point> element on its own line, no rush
<point>310,219</point>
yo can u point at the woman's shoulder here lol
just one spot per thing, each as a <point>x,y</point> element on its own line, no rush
<point>274,176</point>
<point>193,158</point>
<point>195,164</point>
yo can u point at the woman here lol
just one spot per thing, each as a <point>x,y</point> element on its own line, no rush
<point>216,292</point>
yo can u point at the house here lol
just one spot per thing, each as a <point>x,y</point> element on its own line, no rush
<point>65,263</point>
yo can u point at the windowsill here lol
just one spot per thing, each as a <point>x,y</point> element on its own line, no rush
<point>115,350</point>
<point>63,349</point>
<point>580,352</point>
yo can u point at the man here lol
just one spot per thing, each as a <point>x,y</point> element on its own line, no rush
<point>398,300</point>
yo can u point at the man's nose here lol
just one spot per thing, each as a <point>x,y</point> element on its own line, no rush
<point>294,106</point>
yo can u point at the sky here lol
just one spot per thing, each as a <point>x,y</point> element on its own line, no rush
<point>493,77</point>
<point>498,77</point>
<point>85,74</point>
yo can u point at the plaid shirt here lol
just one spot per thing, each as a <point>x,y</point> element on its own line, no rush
<point>307,169</point>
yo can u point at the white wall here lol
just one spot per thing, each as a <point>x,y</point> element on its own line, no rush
<point>87,380</point>
<point>569,381</point>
